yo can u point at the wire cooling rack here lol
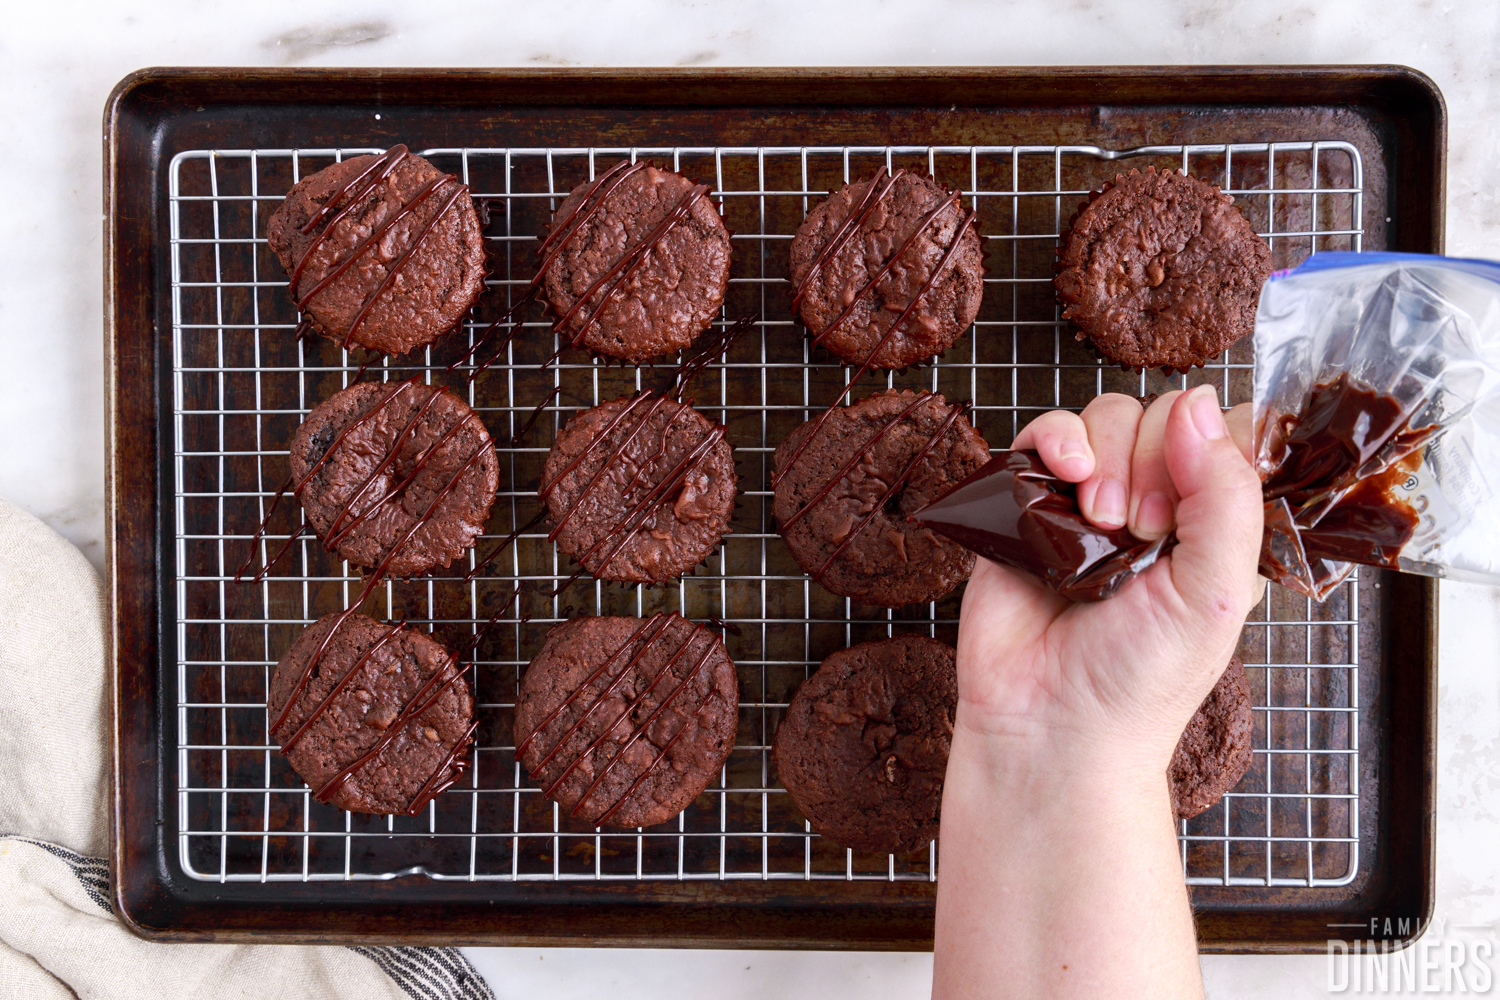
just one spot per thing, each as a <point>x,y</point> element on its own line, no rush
<point>241,382</point>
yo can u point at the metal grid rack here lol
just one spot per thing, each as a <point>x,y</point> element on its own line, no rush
<point>241,383</point>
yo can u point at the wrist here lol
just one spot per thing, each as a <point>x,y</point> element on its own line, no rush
<point>1025,760</point>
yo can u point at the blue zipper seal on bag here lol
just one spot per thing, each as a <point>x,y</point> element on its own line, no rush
<point>1333,260</point>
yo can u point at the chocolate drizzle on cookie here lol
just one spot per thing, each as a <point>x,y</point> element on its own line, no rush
<point>656,621</point>
<point>624,273</point>
<point>614,279</point>
<point>337,530</point>
<point>644,639</point>
<point>588,206</point>
<point>322,706</point>
<point>880,186</point>
<point>848,466</point>
<point>336,208</point>
<point>896,484</point>
<point>425,698</point>
<point>713,350</point>
<point>890,265</point>
<point>626,427</point>
<point>334,533</point>
<point>395,649</point>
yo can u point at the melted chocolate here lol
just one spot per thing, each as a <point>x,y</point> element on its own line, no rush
<point>412,710</point>
<point>489,331</point>
<point>645,634</point>
<point>260,532</point>
<point>400,262</point>
<point>855,459</point>
<point>625,713</point>
<point>536,414</point>
<point>716,348</point>
<point>334,534</point>
<point>1330,491</point>
<point>395,491</point>
<point>1329,495</point>
<point>371,240</point>
<point>636,517</point>
<point>505,542</point>
<point>420,702</point>
<point>593,200</point>
<point>339,686</point>
<point>724,626</point>
<point>551,245</point>
<point>373,581</point>
<point>381,168</point>
<point>298,486</point>
<point>613,423</point>
<point>450,770</point>
<point>1013,511</point>
<point>616,454</point>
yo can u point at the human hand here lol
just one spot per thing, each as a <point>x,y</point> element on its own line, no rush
<point>1060,875</point>
<point>1117,680</point>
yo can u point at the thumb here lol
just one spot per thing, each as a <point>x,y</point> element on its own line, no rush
<point>1219,516</point>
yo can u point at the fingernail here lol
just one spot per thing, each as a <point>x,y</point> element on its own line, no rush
<point>1109,503</point>
<point>1154,516</point>
<point>1207,417</point>
<point>1071,449</point>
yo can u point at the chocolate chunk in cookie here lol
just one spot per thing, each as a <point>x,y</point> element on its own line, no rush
<point>1215,750</point>
<point>624,721</point>
<point>889,269</point>
<point>376,718</point>
<point>395,476</point>
<point>639,489</point>
<point>845,485</point>
<point>1160,270</point>
<point>864,745</point>
<point>636,263</point>
<point>384,252</point>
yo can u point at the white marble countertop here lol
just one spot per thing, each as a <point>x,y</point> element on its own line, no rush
<point>59,61</point>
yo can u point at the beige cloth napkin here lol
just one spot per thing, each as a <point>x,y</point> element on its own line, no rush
<point>58,936</point>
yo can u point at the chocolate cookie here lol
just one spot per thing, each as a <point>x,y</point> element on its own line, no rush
<point>376,718</point>
<point>395,476</point>
<point>624,721</point>
<point>384,252</point>
<point>1214,752</point>
<point>845,483</point>
<point>864,744</point>
<point>1160,270</point>
<point>636,263</point>
<point>889,266</point>
<point>639,488</point>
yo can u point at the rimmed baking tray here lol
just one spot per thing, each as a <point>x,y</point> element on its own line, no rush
<point>214,838</point>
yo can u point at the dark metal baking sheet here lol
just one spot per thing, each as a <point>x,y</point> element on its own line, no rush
<point>1393,117</point>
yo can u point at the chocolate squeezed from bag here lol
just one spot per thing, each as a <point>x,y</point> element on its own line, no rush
<point>1330,500</point>
<point>1013,511</point>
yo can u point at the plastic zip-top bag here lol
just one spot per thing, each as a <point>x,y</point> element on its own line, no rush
<point>1377,418</point>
